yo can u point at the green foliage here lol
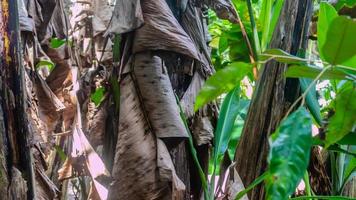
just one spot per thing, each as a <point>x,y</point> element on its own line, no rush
<point>349,139</point>
<point>351,168</point>
<point>341,3</point>
<point>342,122</point>
<point>310,71</point>
<point>289,155</point>
<point>116,48</point>
<point>228,44</point>
<point>326,14</point>
<point>56,43</point>
<point>45,63</point>
<point>280,56</point>
<point>98,95</point>
<point>238,126</point>
<point>221,82</point>
<point>311,99</point>
<point>340,41</point>
<point>226,120</point>
<point>227,117</point>
<point>270,11</point>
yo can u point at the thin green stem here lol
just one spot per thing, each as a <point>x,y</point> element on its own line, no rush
<point>302,97</point>
<point>194,153</point>
<point>307,184</point>
<point>256,40</point>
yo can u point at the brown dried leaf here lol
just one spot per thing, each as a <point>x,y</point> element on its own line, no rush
<point>127,16</point>
<point>157,96</point>
<point>51,98</point>
<point>135,171</point>
<point>167,171</point>
<point>203,130</point>
<point>97,126</point>
<point>162,31</point>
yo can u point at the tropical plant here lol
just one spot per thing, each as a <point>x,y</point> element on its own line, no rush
<point>168,99</point>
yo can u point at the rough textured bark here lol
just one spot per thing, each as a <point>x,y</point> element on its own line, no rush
<point>15,153</point>
<point>273,95</point>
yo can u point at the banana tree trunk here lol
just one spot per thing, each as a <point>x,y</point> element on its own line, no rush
<point>273,95</point>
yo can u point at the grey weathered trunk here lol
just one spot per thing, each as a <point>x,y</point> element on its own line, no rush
<point>273,95</point>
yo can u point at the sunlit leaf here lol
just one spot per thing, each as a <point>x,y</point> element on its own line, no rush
<point>280,56</point>
<point>269,16</point>
<point>340,41</point>
<point>226,120</point>
<point>326,14</point>
<point>45,63</point>
<point>264,19</point>
<point>222,81</point>
<point>223,44</point>
<point>289,155</point>
<point>344,119</point>
<point>98,96</point>
<point>342,3</point>
<point>55,43</point>
<point>298,71</point>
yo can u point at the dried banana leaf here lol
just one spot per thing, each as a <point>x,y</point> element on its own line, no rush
<point>157,96</point>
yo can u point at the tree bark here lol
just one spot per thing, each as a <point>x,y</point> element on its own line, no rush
<point>273,95</point>
<point>15,153</point>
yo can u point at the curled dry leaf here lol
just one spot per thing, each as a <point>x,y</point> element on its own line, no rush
<point>203,129</point>
<point>97,126</point>
<point>157,95</point>
<point>162,31</point>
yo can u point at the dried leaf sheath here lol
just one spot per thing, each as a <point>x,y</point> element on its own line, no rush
<point>161,31</point>
<point>135,170</point>
<point>157,96</point>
